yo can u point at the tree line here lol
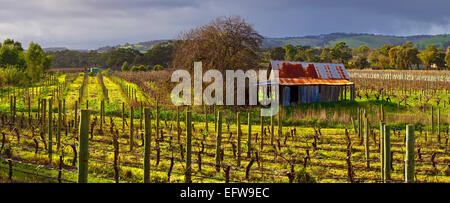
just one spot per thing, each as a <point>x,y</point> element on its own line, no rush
<point>18,66</point>
<point>401,57</point>
<point>160,54</point>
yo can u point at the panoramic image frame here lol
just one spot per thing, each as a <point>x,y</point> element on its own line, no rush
<point>247,93</point>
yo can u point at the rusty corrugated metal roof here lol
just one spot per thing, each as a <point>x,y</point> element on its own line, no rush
<point>308,73</point>
<point>306,81</point>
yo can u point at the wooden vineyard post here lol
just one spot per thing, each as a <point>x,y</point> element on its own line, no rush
<point>11,107</point>
<point>261,146</point>
<point>104,112</point>
<point>366,140</point>
<point>354,125</point>
<point>218,140</point>
<point>147,144</point>
<point>432,120</point>
<point>131,129</point>
<point>44,112</point>
<point>76,112</point>
<point>438,122</point>
<point>239,135</point>
<point>206,119</point>
<point>387,154</point>
<point>280,125</point>
<point>116,156</point>
<point>39,109</point>
<point>249,137</point>
<point>178,124</point>
<point>14,110</point>
<point>187,175</point>
<point>359,123</point>
<point>409,157</point>
<point>362,116</point>
<point>381,113</point>
<point>215,119</point>
<point>345,93</point>
<point>141,115</point>
<point>157,119</point>
<point>272,129</point>
<point>83,147</point>
<point>123,116</point>
<point>50,131</point>
<point>64,111</point>
<point>102,105</point>
<point>29,111</point>
<point>382,149</point>
<point>58,127</point>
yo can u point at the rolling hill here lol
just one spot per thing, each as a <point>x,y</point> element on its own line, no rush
<point>353,40</point>
<point>356,40</point>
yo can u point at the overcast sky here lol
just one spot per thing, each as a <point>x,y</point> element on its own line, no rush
<point>89,24</point>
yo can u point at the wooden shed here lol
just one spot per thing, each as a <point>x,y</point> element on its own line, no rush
<point>307,82</point>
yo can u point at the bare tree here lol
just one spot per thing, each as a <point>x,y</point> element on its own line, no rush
<point>224,43</point>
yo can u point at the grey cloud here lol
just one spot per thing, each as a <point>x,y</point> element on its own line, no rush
<point>90,24</point>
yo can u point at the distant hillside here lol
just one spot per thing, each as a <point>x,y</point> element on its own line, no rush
<point>141,46</point>
<point>356,40</point>
<point>442,41</point>
<point>353,40</point>
<point>55,49</point>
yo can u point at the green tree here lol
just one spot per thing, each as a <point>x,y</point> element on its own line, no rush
<point>137,68</point>
<point>380,57</point>
<point>120,55</point>
<point>161,53</point>
<point>36,61</point>
<point>325,56</point>
<point>361,55</point>
<point>13,43</point>
<point>363,51</point>
<point>134,68</point>
<point>428,55</point>
<point>290,52</point>
<point>340,52</point>
<point>277,53</point>
<point>141,68</point>
<point>125,66</point>
<point>158,67</point>
<point>404,56</point>
<point>311,55</point>
<point>300,54</point>
<point>360,61</point>
<point>47,62</point>
<point>447,57</point>
<point>11,53</point>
